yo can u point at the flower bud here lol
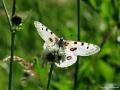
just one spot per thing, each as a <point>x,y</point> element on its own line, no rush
<point>16,20</point>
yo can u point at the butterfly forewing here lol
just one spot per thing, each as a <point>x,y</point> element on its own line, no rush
<point>81,48</point>
<point>47,35</point>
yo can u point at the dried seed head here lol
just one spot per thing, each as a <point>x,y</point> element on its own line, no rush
<point>16,20</point>
<point>53,54</point>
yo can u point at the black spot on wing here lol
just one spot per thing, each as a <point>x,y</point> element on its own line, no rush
<point>87,47</point>
<point>46,29</point>
<point>51,32</point>
<point>82,44</point>
<point>75,42</point>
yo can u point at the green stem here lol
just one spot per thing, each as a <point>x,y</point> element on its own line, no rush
<point>11,60</point>
<point>12,40</point>
<point>50,75</point>
<point>14,7</point>
<point>78,37</point>
<point>6,12</point>
<point>12,48</point>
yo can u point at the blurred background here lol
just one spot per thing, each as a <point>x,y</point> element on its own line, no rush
<point>99,24</point>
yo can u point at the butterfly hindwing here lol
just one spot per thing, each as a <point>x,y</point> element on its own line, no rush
<point>46,34</point>
<point>70,59</point>
<point>81,48</point>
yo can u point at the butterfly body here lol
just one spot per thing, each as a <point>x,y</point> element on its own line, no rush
<point>63,52</point>
<point>61,42</point>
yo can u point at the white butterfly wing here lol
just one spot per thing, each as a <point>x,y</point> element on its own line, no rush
<point>70,59</point>
<point>46,34</point>
<point>82,49</point>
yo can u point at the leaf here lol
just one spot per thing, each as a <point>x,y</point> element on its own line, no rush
<point>105,70</point>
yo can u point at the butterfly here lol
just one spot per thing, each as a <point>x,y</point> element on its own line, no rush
<point>65,51</point>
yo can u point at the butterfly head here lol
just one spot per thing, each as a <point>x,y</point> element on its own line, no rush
<point>61,42</point>
<point>62,39</point>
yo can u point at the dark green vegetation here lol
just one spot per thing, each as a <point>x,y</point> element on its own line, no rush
<point>100,24</point>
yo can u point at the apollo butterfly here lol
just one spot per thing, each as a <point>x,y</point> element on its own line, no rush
<point>63,52</point>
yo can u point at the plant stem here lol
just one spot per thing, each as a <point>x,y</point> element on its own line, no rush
<point>78,38</point>
<point>6,12</point>
<point>11,60</point>
<point>12,40</point>
<point>12,48</point>
<point>50,75</point>
<point>14,7</point>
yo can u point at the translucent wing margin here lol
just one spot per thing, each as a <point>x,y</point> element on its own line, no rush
<point>81,48</point>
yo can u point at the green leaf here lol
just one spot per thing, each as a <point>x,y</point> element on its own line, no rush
<point>105,70</point>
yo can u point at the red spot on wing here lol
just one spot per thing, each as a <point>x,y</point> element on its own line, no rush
<point>66,43</point>
<point>56,39</point>
<point>51,39</point>
<point>73,49</point>
<point>69,57</point>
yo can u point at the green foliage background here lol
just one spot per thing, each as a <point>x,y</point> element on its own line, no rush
<point>100,24</point>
